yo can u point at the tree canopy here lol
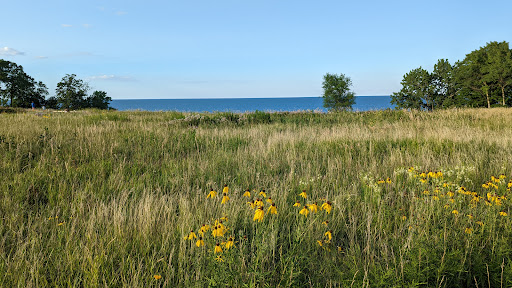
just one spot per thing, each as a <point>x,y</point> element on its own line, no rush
<point>482,79</point>
<point>17,88</point>
<point>337,95</point>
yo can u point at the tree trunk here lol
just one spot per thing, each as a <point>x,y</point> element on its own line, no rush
<point>488,102</point>
<point>503,94</point>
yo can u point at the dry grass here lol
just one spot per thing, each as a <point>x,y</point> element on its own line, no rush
<point>128,186</point>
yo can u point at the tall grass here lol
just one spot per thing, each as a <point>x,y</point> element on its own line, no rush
<point>106,199</point>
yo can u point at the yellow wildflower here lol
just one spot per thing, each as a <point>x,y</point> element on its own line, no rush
<point>468,231</point>
<point>224,218</point>
<point>272,209</point>
<point>480,223</point>
<point>455,212</point>
<point>297,204</point>
<point>219,259</point>
<point>192,235</point>
<point>304,211</point>
<point>217,249</point>
<point>325,222</point>
<point>503,213</point>
<point>259,203</point>
<point>303,194</point>
<point>252,204</point>
<point>230,243</point>
<point>204,228</point>
<point>470,216</point>
<point>327,206</point>
<point>60,224</point>
<point>225,198</point>
<point>502,176</point>
<point>247,193</point>
<point>269,200</point>
<point>263,194</point>
<point>446,206</point>
<point>450,194</point>
<point>319,242</point>
<point>200,242</point>
<point>212,194</point>
<point>216,231</point>
<point>435,198</point>
<point>225,189</point>
<point>157,277</point>
<point>381,181</point>
<point>404,218</point>
<point>258,214</point>
<point>423,180</point>
<point>328,234</point>
<point>388,180</point>
<point>313,207</point>
<point>486,186</point>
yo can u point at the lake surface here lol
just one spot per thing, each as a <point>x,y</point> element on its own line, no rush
<point>363,103</point>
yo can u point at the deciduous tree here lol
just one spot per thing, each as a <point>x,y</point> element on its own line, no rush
<point>337,95</point>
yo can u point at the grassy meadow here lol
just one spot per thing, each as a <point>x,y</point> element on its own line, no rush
<point>394,199</point>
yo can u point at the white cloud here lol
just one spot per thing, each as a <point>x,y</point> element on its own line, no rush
<point>42,57</point>
<point>66,25</point>
<point>111,78</point>
<point>6,51</point>
<point>121,13</point>
<point>87,25</point>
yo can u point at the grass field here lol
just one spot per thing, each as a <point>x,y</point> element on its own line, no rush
<point>109,199</point>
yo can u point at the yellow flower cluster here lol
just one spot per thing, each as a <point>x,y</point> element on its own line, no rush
<point>312,207</point>
<point>259,206</point>
<point>460,200</point>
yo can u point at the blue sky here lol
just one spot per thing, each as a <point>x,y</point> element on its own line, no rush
<point>224,49</point>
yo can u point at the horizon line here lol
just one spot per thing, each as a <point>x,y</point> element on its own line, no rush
<point>224,98</point>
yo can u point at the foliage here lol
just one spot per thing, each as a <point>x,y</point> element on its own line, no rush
<point>71,93</point>
<point>337,95</point>
<point>99,100</point>
<point>482,79</point>
<point>417,91</point>
<point>19,89</point>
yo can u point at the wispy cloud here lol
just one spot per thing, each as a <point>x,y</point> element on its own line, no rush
<point>66,25</point>
<point>6,51</point>
<point>86,25</point>
<point>120,13</point>
<point>42,57</point>
<point>112,78</point>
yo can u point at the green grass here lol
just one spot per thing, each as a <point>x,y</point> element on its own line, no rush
<point>105,199</point>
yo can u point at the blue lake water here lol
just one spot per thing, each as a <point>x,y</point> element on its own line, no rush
<point>363,103</point>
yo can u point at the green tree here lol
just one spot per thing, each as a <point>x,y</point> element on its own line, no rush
<point>498,67</point>
<point>71,92</point>
<point>18,88</point>
<point>445,92</point>
<point>99,99</point>
<point>337,95</point>
<point>482,72</point>
<point>417,91</point>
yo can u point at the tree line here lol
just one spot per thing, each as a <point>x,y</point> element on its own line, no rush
<point>18,89</point>
<point>482,79</point>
